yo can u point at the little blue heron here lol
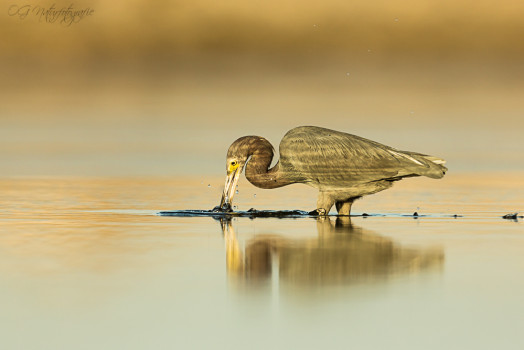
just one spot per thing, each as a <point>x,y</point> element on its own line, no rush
<point>343,167</point>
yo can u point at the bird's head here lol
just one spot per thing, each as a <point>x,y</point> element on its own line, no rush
<point>237,157</point>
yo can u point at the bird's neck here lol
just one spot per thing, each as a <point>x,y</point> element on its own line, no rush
<point>257,168</point>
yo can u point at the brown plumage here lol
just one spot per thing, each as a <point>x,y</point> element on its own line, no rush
<point>342,166</point>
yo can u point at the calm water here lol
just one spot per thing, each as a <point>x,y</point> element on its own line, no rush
<point>86,264</point>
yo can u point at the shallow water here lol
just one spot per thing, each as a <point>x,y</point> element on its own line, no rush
<point>86,263</point>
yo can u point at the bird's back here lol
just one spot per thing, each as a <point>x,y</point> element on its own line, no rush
<point>333,158</point>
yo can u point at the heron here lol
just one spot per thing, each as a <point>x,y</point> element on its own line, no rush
<point>343,167</point>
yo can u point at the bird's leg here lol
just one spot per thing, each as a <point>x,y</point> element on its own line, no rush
<point>318,212</point>
<point>324,203</point>
<point>344,208</point>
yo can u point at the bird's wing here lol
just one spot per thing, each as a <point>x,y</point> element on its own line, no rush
<point>334,158</point>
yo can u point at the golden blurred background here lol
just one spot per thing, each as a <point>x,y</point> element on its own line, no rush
<point>163,88</point>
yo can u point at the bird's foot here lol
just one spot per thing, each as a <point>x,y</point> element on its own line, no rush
<point>318,212</point>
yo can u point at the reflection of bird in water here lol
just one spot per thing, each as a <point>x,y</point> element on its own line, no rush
<point>343,167</point>
<point>341,254</point>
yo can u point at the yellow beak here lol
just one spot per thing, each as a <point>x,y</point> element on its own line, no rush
<point>233,175</point>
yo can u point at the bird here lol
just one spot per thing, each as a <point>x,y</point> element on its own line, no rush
<point>343,167</point>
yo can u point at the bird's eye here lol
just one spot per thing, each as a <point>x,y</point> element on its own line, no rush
<point>233,163</point>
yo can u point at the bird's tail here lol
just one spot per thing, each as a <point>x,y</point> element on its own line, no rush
<point>436,165</point>
<point>435,160</point>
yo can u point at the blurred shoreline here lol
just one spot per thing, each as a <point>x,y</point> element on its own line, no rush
<point>165,89</point>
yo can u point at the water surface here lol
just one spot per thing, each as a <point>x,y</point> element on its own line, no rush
<point>86,263</point>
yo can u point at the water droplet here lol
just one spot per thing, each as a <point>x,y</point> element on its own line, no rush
<point>347,74</point>
<point>255,195</point>
<point>369,50</point>
<point>396,19</point>
<point>208,185</point>
<point>411,112</point>
<point>236,192</point>
<point>315,25</point>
